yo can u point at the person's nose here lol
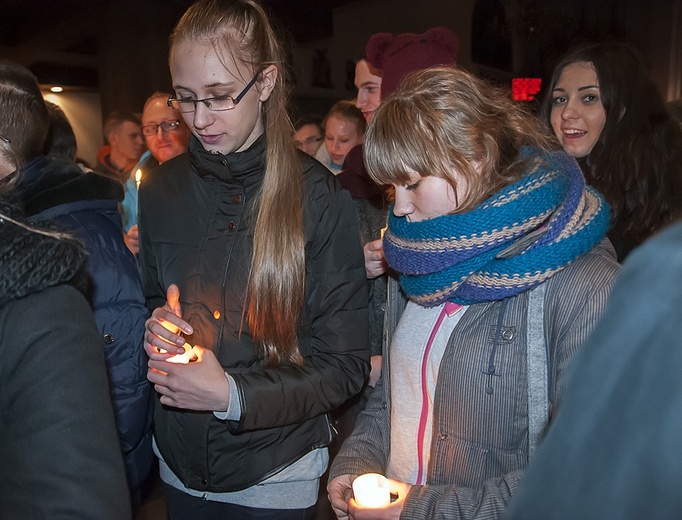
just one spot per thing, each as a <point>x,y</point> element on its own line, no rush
<point>336,146</point>
<point>202,116</point>
<point>570,111</point>
<point>361,100</point>
<point>162,134</point>
<point>402,206</point>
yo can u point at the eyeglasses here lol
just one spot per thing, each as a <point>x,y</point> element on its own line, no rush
<point>310,140</point>
<point>2,137</point>
<point>215,104</point>
<point>166,126</point>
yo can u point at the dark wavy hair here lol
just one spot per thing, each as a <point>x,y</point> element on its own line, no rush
<point>24,118</point>
<point>637,161</point>
<point>61,141</point>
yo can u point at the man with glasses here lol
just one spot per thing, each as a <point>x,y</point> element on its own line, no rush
<point>166,135</point>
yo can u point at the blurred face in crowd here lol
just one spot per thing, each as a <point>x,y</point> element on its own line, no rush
<point>308,139</point>
<point>368,84</point>
<point>127,140</point>
<point>164,143</point>
<point>340,136</point>
<point>423,198</point>
<point>199,72</point>
<point>577,115</point>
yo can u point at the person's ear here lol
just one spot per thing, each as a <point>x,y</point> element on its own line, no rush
<point>267,82</point>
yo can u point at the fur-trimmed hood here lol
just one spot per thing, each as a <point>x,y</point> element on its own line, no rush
<point>31,260</point>
<point>52,181</point>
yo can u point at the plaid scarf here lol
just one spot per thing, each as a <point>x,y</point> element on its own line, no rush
<point>513,241</point>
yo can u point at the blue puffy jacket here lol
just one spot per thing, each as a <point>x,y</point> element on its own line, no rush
<point>86,204</point>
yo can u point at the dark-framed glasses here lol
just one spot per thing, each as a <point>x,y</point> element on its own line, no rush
<point>309,141</point>
<point>166,126</point>
<point>215,104</point>
<point>3,138</point>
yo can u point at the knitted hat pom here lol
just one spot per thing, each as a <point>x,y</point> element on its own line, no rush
<point>397,56</point>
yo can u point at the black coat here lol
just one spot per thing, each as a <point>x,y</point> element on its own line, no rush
<point>86,205</point>
<point>196,232</point>
<point>59,452</point>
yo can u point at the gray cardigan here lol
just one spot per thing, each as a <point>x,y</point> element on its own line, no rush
<point>480,446</point>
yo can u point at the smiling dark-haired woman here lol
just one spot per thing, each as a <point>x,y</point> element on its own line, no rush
<point>608,114</point>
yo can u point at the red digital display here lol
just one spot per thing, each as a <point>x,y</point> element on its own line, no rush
<point>524,89</point>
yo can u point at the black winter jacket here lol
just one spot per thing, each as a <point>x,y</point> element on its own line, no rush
<point>86,205</point>
<point>196,231</point>
<point>59,453</point>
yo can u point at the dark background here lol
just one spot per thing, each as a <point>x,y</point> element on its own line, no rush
<point>119,47</point>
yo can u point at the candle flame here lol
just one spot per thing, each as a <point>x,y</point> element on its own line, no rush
<point>138,176</point>
<point>184,358</point>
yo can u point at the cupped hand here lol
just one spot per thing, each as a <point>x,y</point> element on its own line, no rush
<point>340,490</point>
<point>132,239</point>
<point>198,385</point>
<point>161,338</point>
<point>375,262</point>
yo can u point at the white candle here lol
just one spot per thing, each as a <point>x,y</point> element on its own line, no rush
<point>371,490</point>
<point>138,178</point>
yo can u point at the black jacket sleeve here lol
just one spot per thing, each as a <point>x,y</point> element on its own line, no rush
<point>59,455</point>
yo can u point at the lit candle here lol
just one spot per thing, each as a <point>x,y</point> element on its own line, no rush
<point>186,356</point>
<point>182,358</point>
<point>371,490</point>
<point>138,178</point>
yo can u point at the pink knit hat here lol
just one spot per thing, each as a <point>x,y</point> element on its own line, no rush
<point>397,56</point>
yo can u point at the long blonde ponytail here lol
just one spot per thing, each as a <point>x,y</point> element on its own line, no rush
<point>277,273</point>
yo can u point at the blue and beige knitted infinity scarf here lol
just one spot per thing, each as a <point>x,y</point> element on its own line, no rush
<point>513,241</point>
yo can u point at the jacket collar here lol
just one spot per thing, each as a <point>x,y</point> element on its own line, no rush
<point>245,168</point>
<point>48,182</point>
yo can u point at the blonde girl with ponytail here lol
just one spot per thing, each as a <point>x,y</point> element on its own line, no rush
<point>250,256</point>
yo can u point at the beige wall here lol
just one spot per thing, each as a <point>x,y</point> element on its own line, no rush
<point>84,112</point>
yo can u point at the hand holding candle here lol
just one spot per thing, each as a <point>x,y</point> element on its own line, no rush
<point>375,263</point>
<point>198,385</point>
<point>165,330</point>
<point>183,358</point>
